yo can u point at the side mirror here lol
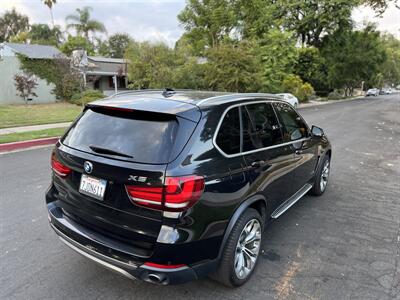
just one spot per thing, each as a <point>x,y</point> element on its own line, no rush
<point>317,132</point>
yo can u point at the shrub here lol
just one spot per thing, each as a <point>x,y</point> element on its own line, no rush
<point>86,97</point>
<point>25,85</point>
<point>336,95</point>
<point>67,81</point>
<point>302,90</point>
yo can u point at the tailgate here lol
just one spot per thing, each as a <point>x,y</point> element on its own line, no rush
<point>115,215</point>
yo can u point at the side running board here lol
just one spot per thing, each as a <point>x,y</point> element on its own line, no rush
<point>292,200</point>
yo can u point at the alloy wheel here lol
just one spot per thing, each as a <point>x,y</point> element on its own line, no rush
<point>324,176</point>
<point>247,249</point>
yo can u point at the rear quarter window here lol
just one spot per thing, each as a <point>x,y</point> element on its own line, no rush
<point>228,137</point>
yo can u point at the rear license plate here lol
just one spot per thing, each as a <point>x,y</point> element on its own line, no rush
<point>93,187</point>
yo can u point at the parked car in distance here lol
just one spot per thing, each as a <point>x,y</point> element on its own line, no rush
<point>289,98</point>
<point>372,92</point>
<point>171,186</point>
<point>385,92</point>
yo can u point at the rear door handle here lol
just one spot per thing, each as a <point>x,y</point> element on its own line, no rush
<point>298,152</point>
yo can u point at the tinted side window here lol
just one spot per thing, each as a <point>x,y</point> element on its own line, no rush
<point>293,126</point>
<point>228,138</point>
<point>260,127</point>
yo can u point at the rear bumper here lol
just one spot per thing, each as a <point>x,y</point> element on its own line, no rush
<point>118,258</point>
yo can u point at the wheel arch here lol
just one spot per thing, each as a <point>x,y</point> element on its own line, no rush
<point>257,202</point>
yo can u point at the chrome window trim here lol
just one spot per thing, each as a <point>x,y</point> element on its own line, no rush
<point>214,140</point>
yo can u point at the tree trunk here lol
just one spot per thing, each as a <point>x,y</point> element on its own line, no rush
<point>52,17</point>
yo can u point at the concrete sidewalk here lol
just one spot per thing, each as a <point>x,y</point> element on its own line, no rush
<point>33,128</point>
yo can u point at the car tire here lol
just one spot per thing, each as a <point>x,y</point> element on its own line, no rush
<point>228,272</point>
<point>322,177</point>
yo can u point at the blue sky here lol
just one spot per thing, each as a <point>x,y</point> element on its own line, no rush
<point>151,20</point>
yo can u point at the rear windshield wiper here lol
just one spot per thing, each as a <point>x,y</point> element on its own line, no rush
<point>108,151</point>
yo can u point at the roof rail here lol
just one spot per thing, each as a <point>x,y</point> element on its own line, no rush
<point>239,96</point>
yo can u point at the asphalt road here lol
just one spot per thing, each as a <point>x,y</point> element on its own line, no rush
<point>345,244</point>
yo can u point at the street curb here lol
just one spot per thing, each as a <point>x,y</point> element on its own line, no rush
<point>27,144</point>
<point>315,103</point>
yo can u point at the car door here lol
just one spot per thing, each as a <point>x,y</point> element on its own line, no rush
<point>297,133</point>
<point>270,165</point>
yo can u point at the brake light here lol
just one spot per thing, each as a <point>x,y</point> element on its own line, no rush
<point>58,167</point>
<point>177,194</point>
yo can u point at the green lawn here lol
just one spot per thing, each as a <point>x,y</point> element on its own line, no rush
<point>36,114</point>
<point>31,135</point>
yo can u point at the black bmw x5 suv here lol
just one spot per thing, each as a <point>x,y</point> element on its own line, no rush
<point>171,186</point>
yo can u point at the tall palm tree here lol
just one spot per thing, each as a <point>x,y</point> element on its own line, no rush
<point>83,24</point>
<point>49,4</point>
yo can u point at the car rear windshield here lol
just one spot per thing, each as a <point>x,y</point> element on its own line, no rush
<point>135,136</point>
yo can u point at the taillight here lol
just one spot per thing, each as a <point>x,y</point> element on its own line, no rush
<point>58,167</point>
<point>177,194</point>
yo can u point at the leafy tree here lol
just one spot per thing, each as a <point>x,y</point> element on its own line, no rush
<point>208,22</point>
<point>391,66</point>
<point>150,65</point>
<point>77,42</point>
<point>11,24</point>
<point>380,5</point>
<point>83,24</point>
<point>313,19</point>
<point>233,67</point>
<point>278,54</point>
<point>49,4</point>
<point>311,67</point>
<point>190,70</point>
<point>309,20</point>
<point>190,75</point>
<point>44,35</point>
<point>25,85</point>
<point>116,45</point>
<point>101,46</point>
<point>353,57</point>
<point>21,38</point>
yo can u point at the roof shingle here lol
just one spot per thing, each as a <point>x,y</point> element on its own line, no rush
<point>35,51</point>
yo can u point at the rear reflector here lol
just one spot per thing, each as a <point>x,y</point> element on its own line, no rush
<point>177,194</point>
<point>58,168</point>
<point>158,266</point>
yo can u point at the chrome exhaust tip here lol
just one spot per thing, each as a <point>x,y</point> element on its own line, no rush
<point>157,278</point>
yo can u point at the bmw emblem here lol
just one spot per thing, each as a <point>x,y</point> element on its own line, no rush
<point>88,166</point>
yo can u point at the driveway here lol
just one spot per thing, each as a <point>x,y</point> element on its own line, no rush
<point>345,244</point>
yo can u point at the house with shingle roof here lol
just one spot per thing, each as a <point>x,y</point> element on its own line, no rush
<point>10,66</point>
<point>102,73</point>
